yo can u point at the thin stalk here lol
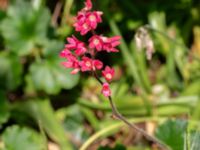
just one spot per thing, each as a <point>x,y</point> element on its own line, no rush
<point>116,114</point>
<point>99,134</point>
<point>112,128</point>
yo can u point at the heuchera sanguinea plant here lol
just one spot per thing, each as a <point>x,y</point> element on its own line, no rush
<point>80,56</point>
<point>76,52</point>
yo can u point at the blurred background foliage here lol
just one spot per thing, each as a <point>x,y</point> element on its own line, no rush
<point>43,107</point>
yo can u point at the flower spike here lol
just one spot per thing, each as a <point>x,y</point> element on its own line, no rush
<point>76,52</point>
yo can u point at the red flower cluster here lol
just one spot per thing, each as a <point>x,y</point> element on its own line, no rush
<point>75,51</point>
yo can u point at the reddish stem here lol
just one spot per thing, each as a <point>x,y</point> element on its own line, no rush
<point>116,114</point>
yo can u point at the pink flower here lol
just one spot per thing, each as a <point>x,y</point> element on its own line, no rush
<point>86,21</point>
<point>72,62</point>
<point>88,5</point>
<point>75,71</point>
<point>80,24</point>
<point>81,17</point>
<point>96,42</point>
<point>97,64</point>
<point>93,18</point>
<point>108,73</point>
<point>88,64</point>
<point>82,28</point>
<point>106,90</point>
<point>72,42</point>
<point>111,43</point>
<point>80,50</point>
<point>75,50</point>
<point>65,53</point>
<point>77,45</point>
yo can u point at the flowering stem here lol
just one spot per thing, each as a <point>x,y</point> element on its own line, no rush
<point>111,129</point>
<point>116,115</point>
<point>98,79</point>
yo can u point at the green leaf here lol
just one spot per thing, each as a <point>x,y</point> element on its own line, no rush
<point>22,138</point>
<point>50,76</point>
<point>172,133</point>
<point>63,76</point>
<point>25,27</point>
<point>192,89</point>
<point>43,113</point>
<point>194,140</point>
<point>52,48</point>
<point>43,79</point>
<point>74,121</point>
<point>4,110</point>
<point>11,71</point>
